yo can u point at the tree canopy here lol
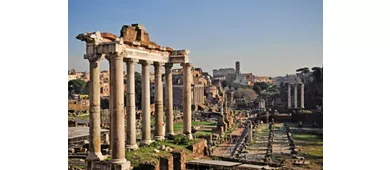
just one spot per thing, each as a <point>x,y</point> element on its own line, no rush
<point>259,86</point>
<point>76,86</point>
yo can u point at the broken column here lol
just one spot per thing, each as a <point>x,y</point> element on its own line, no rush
<point>158,102</point>
<point>250,133</point>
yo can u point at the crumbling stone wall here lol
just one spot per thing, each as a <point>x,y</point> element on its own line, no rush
<point>166,163</point>
<point>148,167</point>
<point>106,165</point>
<point>198,149</point>
<point>179,160</point>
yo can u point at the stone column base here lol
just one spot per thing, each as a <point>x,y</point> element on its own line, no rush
<point>146,142</point>
<point>189,136</point>
<point>106,165</point>
<point>170,134</point>
<point>131,147</point>
<point>95,156</point>
<point>159,138</point>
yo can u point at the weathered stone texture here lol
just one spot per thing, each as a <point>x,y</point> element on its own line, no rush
<point>166,163</point>
<point>198,149</point>
<point>179,160</point>
<point>128,33</point>
<point>106,165</point>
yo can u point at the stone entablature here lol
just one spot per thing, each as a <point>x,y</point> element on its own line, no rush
<point>130,47</point>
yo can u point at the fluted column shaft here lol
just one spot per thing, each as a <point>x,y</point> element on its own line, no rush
<point>158,102</point>
<point>295,96</point>
<point>118,126</point>
<point>302,96</point>
<point>169,99</point>
<point>94,112</point>
<point>187,116</point>
<point>288,95</point>
<point>146,136</point>
<point>131,131</point>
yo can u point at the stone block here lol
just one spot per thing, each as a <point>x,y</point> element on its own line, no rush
<point>166,163</point>
<point>128,33</point>
<point>106,165</point>
<point>179,159</point>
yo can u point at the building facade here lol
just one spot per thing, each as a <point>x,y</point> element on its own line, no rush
<point>223,72</point>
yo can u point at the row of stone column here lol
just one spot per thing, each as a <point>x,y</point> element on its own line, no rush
<point>296,95</point>
<point>117,123</point>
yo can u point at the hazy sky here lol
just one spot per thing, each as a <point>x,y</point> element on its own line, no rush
<point>268,37</point>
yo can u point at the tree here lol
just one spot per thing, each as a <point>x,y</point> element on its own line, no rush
<point>317,74</point>
<point>76,86</point>
<point>305,71</point>
<point>245,93</point>
<point>260,86</point>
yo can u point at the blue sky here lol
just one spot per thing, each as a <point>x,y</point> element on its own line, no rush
<point>268,37</point>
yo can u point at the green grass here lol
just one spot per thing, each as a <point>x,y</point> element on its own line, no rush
<point>203,133</point>
<point>310,144</point>
<point>84,116</point>
<point>145,155</point>
<point>178,127</point>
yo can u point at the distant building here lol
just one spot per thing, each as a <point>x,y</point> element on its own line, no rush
<point>220,77</point>
<point>241,79</point>
<point>292,79</point>
<point>71,77</point>
<point>238,68</point>
<point>223,72</point>
<point>200,80</point>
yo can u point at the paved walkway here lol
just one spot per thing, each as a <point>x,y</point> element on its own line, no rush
<point>258,147</point>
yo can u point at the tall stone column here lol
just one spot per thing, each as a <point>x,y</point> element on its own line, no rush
<point>295,96</point>
<point>118,126</point>
<point>146,136</point>
<point>94,111</point>
<point>131,131</point>
<point>169,99</point>
<point>187,116</point>
<point>158,102</point>
<point>250,133</point>
<point>225,102</point>
<point>111,103</point>
<point>302,96</point>
<point>288,96</point>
